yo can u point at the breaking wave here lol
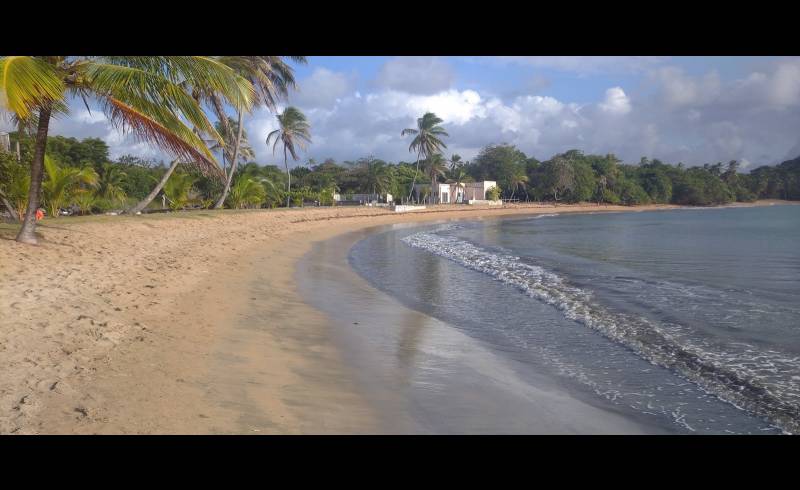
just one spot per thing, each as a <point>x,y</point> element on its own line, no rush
<point>764,383</point>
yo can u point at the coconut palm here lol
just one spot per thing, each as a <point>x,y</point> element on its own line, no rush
<point>435,167</point>
<point>109,183</point>
<point>455,161</point>
<point>246,192</point>
<point>140,95</point>
<point>62,182</point>
<point>245,152</point>
<point>377,175</point>
<point>426,140</point>
<point>517,178</point>
<point>458,176</point>
<point>271,78</point>
<point>221,85</point>
<point>85,199</point>
<point>294,133</point>
<point>177,190</point>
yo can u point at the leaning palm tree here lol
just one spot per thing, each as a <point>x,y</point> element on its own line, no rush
<point>271,78</point>
<point>224,85</point>
<point>293,133</point>
<point>140,95</point>
<point>426,141</point>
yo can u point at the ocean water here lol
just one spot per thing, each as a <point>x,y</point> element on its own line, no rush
<point>688,318</point>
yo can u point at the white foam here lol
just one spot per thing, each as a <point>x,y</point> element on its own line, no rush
<point>743,382</point>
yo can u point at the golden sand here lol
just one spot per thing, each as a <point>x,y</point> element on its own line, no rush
<point>124,324</point>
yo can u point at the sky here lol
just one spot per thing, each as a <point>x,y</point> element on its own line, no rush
<point>693,110</point>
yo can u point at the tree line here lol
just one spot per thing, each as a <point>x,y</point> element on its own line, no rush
<point>81,175</point>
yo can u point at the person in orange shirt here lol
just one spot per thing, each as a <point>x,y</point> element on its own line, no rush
<point>39,214</point>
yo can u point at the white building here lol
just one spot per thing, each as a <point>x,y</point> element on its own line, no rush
<point>453,193</point>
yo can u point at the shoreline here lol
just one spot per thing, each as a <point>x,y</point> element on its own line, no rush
<point>147,325</point>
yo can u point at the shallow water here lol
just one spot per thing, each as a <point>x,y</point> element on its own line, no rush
<point>679,317</point>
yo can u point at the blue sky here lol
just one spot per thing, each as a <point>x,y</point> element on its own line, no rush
<point>689,109</point>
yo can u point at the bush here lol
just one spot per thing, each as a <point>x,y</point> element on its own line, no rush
<point>493,193</point>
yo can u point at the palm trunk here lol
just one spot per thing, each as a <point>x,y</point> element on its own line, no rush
<point>289,174</point>
<point>10,207</point>
<point>27,232</point>
<point>414,180</point>
<point>227,189</point>
<point>147,200</point>
<point>434,195</point>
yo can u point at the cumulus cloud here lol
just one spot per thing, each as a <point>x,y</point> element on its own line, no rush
<point>669,114</point>
<point>415,75</point>
<point>322,89</point>
<point>616,102</point>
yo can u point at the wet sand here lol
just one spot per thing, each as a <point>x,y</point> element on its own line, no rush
<point>186,323</point>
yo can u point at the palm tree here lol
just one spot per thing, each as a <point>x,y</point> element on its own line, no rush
<point>271,78</point>
<point>62,182</point>
<point>246,192</point>
<point>222,83</point>
<point>455,161</point>
<point>177,190</point>
<point>109,183</point>
<point>435,167</point>
<point>24,126</point>
<point>294,133</point>
<point>377,175</point>
<point>245,152</point>
<point>426,141</point>
<point>517,178</point>
<point>458,176</point>
<point>141,95</point>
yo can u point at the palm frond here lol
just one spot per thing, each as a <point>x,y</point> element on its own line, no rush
<point>27,83</point>
<point>169,134</point>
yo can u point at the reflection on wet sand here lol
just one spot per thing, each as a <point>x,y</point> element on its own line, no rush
<point>421,375</point>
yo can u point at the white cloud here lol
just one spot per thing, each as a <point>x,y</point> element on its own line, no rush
<point>322,89</point>
<point>616,102</point>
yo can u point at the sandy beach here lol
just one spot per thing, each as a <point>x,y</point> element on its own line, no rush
<point>185,323</point>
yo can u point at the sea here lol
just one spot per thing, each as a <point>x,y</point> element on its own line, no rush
<point>688,319</point>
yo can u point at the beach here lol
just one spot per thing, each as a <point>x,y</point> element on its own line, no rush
<point>194,323</point>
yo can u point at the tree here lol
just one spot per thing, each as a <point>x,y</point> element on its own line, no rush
<point>138,94</point>
<point>62,182</point>
<point>559,175</point>
<point>427,140</point>
<point>109,183</point>
<point>271,77</point>
<point>518,178</point>
<point>458,176</point>
<point>177,190</point>
<point>455,161</point>
<point>435,167</point>
<point>246,192</point>
<point>376,175</point>
<point>294,133</point>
